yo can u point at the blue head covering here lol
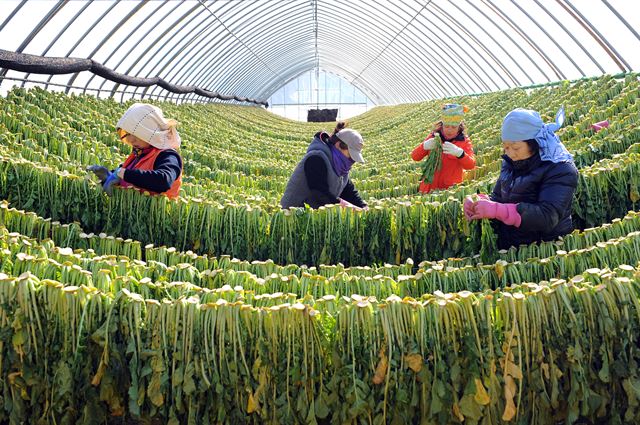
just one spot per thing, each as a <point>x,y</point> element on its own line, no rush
<point>525,124</point>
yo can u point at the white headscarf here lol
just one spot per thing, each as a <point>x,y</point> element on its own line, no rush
<point>146,122</point>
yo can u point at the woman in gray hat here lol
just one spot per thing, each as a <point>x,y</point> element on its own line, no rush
<point>322,176</point>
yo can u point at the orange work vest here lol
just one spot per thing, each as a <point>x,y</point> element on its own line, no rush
<point>146,163</point>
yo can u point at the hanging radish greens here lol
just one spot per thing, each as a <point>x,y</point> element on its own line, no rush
<point>220,307</point>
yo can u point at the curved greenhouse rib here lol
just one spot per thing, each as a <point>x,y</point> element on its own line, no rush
<point>525,37</point>
<point>43,22</point>
<point>506,34</point>
<point>558,45</point>
<point>421,58</point>
<point>573,37</point>
<point>13,14</point>
<point>485,58</point>
<point>593,33</point>
<point>61,32</point>
<point>187,71</point>
<point>125,39</point>
<point>496,43</point>
<point>108,36</point>
<point>156,41</point>
<point>125,55</point>
<point>624,21</point>
<point>236,37</point>
<point>390,42</point>
<point>394,51</point>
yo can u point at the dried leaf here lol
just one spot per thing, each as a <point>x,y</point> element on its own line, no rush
<point>414,361</point>
<point>545,370</point>
<point>509,394</point>
<point>513,370</point>
<point>252,405</point>
<point>481,396</point>
<point>457,412</point>
<point>381,369</point>
<point>98,376</point>
<point>153,390</point>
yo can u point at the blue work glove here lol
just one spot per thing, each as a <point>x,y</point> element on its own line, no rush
<point>101,172</point>
<point>112,180</point>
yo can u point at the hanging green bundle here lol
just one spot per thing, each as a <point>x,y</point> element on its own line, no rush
<point>433,162</point>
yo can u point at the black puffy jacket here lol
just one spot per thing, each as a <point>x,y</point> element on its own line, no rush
<point>543,191</point>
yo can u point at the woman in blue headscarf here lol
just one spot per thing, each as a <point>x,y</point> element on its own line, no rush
<point>532,198</point>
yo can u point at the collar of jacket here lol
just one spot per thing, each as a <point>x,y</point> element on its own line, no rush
<point>142,152</point>
<point>524,165</point>
<point>318,144</point>
<point>323,136</point>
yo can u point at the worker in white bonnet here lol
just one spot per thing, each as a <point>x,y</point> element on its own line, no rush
<point>322,176</point>
<point>154,165</point>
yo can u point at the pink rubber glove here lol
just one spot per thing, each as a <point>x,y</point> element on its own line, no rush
<point>469,207</point>
<point>506,213</point>
<point>600,125</point>
<point>348,204</point>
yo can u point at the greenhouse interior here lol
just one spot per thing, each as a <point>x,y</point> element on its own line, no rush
<point>320,212</point>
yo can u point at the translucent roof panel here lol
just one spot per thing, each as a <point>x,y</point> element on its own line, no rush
<point>319,89</point>
<point>392,51</point>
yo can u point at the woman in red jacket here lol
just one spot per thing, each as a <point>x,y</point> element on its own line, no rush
<point>457,152</point>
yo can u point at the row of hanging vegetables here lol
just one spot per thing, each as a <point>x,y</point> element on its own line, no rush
<point>122,341</point>
<point>614,243</point>
<point>388,232</point>
<point>102,329</point>
<point>411,228</point>
<point>64,235</point>
<point>50,125</point>
<point>537,353</point>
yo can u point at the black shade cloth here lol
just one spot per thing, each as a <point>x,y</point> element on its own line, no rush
<point>53,66</point>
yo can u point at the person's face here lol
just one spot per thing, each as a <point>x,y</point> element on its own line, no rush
<point>450,131</point>
<point>344,151</point>
<point>132,140</point>
<point>517,150</point>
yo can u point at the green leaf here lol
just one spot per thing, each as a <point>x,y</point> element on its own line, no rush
<point>321,407</point>
<point>359,407</point>
<point>603,374</point>
<point>470,408</point>
<point>189,385</point>
<point>134,408</point>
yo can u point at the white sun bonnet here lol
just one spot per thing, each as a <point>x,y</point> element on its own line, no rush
<point>147,122</point>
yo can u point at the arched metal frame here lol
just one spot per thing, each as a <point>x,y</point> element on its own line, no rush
<point>129,35</point>
<point>87,32</point>
<point>133,45</point>
<point>39,26</point>
<point>182,44</point>
<point>155,42</point>
<point>573,37</point>
<point>66,27</point>
<point>259,20</point>
<point>390,51</point>
<point>277,53</point>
